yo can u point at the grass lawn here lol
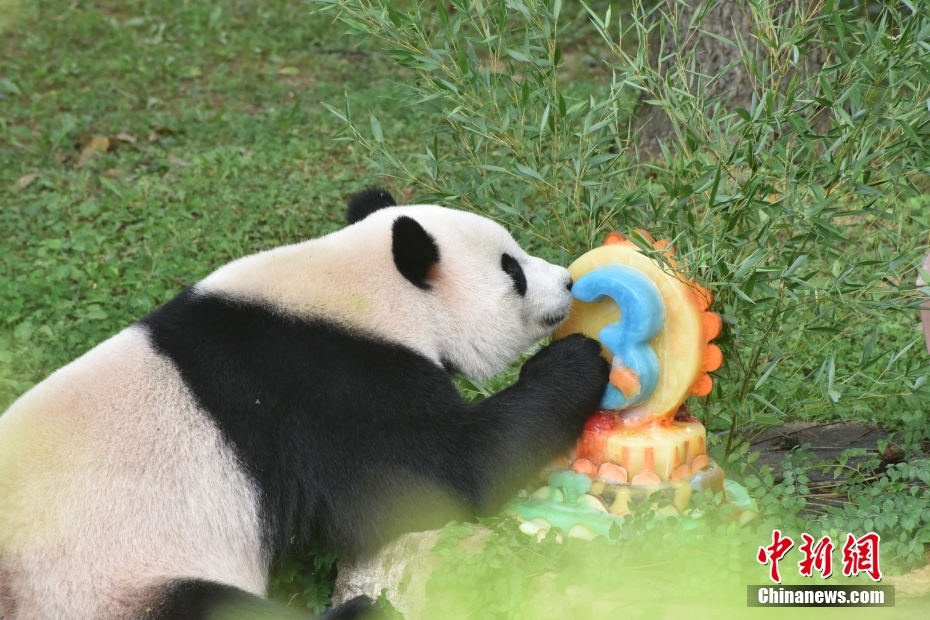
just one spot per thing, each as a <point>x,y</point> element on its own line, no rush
<point>211,143</point>
<point>218,147</point>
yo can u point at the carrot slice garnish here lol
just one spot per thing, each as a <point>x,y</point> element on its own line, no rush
<point>713,358</point>
<point>713,325</point>
<point>625,380</point>
<point>702,386</point>
<point>584,466</point>
<point>611,472</point>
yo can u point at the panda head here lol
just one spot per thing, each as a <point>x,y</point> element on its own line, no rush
<point>478,298</point>
<point>451,285</point>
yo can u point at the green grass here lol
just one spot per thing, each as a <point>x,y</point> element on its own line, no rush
<point>232,154</point>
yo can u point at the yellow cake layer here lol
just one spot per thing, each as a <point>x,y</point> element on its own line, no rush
<point>659,449</point>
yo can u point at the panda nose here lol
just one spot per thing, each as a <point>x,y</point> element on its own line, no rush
<point>568,285</point>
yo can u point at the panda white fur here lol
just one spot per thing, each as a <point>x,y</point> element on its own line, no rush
<point>300,391</point>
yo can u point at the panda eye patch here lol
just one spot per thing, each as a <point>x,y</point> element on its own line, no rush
<point>513,269</point>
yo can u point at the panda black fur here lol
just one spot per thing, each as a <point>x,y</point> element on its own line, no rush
<point>298,392</point>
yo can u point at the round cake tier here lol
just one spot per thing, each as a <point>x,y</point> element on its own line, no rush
<point>618,451</point>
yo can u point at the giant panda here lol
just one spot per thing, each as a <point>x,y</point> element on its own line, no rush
<point>300,391</point>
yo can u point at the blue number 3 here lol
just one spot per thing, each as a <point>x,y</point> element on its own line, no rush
<point>635,365</point>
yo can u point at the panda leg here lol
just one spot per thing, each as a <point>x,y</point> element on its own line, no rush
<point>196,599</point>
<point>538,418</point>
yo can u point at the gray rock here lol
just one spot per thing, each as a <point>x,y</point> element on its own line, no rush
<point>403,567</point>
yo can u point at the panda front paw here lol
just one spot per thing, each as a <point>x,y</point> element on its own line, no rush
<point>570,369</point>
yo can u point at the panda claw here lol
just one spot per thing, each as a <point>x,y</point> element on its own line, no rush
<point>572,353</point>
<point>572,368</point>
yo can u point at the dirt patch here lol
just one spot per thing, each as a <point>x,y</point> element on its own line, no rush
<point>825,442</point>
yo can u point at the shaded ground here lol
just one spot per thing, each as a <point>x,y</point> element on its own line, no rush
<point>826,443</point>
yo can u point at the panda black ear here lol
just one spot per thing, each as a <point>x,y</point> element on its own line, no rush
<point>364,203</point>
<point>415,250</point>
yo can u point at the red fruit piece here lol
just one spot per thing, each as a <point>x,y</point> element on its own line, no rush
<point>599,422</point>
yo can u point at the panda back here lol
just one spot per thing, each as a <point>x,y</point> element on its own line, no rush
<point>319,415</point>
<point>113,477</point>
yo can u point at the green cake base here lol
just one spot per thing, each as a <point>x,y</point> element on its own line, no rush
<point>582,508</point>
